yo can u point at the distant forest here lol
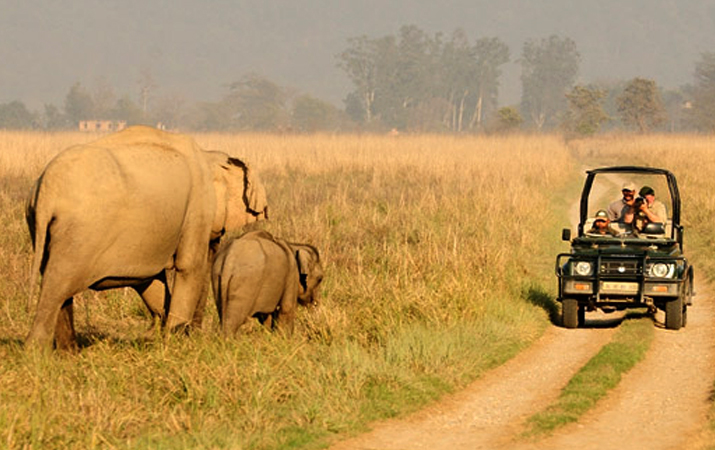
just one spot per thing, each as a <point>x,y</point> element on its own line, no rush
<point>409,82</point>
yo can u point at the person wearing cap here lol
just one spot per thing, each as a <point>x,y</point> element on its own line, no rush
<point>622,210</point>
<point>650,210</point>
<point>601,225</point>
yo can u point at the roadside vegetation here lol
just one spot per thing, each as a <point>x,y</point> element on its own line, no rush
<point>429,245</point>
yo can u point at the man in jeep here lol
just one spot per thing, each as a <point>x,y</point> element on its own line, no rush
<point>622,210</point>
<point>649,210</point>
<point>601,226</point>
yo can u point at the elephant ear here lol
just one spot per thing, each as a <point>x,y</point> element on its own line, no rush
<point>233,180</point>
<point>254,191</point>
<point>306,257</point>
<point>303,260</point>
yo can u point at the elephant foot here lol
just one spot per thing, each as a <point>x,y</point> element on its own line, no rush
<point>65,336</point>
<point>154,330</point>
<point>177,325</point>
<point>36,342</point>
<point>67,345</point>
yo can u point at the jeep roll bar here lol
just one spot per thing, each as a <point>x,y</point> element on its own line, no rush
<point>672,187</point>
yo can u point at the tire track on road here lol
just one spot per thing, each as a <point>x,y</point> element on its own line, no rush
<point>488,412</point>
<point>663,402</point>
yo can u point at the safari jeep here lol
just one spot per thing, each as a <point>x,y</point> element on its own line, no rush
<point>627,268</point>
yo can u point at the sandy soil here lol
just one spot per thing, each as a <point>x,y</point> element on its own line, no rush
<point>662,403</point>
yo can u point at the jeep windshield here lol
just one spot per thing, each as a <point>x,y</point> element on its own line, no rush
<point>614,190</point>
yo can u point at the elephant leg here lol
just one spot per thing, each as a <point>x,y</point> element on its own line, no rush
<point>236,314</point>
<point>54,309</point>
<point>284,317</point>
<point>65,336</point>
<point>200,307</point>
<point>265,319</point>
<point>156,297</point>
<point>188,288</point>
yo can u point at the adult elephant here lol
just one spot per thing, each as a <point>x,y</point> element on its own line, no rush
<point>124,210</point>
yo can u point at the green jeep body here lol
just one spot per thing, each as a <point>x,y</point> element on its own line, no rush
<point>631,270</point>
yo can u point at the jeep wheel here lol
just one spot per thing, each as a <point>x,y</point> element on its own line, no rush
<point>570,313</point>
<point>674,314</point>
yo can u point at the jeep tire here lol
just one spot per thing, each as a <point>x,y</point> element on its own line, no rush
<point>674,314</point>
<point>570,313</point>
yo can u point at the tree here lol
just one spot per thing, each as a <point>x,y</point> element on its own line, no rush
<point>469,76</point>
<point>586,110</point>
<point>701,111</point>
<point>126,109</point>
<point>458,73</point>
<point>79,104</point>
<point>359,61</point>
<point>168,110</point>
<point>16,116</point>
<point>311,114</point>
<point>209,116</point>
<point>548,71</point>
<point>147,86</point>
<point>491,54</point>
<point>103,99</point>
<point>256,103</point>
<point>407,68</point>
<point>675,104</point>
<point>506,120</point>
<point>640,105</point>
<point>53,119</point>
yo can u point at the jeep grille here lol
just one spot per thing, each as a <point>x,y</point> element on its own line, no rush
<point>619,267</point>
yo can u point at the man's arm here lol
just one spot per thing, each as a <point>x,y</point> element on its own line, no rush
<point>656,214</point>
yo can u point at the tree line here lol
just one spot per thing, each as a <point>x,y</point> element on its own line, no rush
<point>410,82</point>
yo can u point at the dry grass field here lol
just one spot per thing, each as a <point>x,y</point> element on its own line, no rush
<point>429,246</point>
<point>439,265</point>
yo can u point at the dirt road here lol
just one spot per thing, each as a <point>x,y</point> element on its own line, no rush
<point>662,403</point>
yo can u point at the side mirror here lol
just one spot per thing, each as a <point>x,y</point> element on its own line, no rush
<point>566,234</point>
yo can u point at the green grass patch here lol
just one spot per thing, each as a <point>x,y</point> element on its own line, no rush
<point>595,379</point>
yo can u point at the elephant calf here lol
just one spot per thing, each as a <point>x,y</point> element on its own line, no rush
<point>258,275</point>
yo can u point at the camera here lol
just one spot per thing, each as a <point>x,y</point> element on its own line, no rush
<point>638,202</point>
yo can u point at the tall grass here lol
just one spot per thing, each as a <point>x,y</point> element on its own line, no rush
<point>434,253</point>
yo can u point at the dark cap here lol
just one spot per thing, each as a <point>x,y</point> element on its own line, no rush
<point>646,190</point>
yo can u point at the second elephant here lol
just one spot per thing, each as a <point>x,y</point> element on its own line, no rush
<point>258,275</point>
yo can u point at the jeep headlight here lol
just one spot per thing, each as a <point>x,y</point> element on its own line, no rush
<point>661,270</point>
<point>583,268</point>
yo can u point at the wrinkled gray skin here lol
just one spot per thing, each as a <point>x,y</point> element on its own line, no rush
<point>124,210</point>
<point>258,275</point>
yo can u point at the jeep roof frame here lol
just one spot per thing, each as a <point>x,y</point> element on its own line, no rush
<point>672,187</point>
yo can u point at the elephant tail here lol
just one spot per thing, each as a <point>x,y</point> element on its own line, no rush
<point>39,226</point>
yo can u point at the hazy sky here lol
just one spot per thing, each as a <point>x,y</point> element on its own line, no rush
<point>196,48</point>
